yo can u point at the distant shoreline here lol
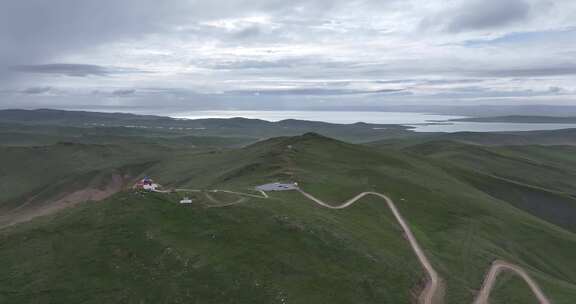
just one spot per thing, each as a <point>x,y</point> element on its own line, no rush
<point>519,119</point>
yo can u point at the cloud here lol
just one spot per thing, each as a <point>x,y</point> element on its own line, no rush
<point>253,64</point>
<point>36,30</point>
<point>77,70</point>
<point>37,90</point>
<point>281,54</point>
<point>32,31</point>
<point>539,71</point>
<point>480,14</point>
<point>476,93</point>
<point>124,92</point>
<point>312,92</point>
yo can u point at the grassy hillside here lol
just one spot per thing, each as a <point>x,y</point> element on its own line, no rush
<point>564,137</point>
<point>135,248</point>
<point>26,135</point>
<point>129,124</point>
<point>25,169</point>
<point>537,179</point>
<point>40,179</point>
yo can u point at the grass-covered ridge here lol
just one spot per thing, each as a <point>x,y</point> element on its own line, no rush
<point>134,248</point>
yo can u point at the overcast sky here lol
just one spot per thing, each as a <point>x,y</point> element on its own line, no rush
<point>180,55</point>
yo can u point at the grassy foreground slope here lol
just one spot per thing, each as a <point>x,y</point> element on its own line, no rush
<point>147,249</point>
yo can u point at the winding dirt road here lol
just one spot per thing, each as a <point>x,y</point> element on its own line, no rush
<point>433,292</point>
<point>490,279</point>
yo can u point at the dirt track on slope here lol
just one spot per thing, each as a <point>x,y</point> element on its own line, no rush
<point>29,210</point>
<point>433,293</point>
<point>490,279</point>
<point>434,289</point>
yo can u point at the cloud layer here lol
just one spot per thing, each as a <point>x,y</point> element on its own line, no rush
<point>274,54</point>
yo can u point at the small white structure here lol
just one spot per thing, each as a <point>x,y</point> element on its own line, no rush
<point>186,200</point>
<point>150,187</point>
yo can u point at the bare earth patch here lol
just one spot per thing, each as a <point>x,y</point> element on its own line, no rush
<point>28,210</point>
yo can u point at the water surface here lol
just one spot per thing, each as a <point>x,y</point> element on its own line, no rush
<point>341,117</point>
<point>421,122</point>
<point>490,127</point>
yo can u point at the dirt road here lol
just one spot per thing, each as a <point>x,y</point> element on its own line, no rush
<point>490,279</point>
<point>433,292</point>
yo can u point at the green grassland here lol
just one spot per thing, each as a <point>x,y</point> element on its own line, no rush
<point>18,134</point>
<point>562,137</point>
<point>146,248</point>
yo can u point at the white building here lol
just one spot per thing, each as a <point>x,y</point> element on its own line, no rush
<point>150,187</point>
<point>186,201</point>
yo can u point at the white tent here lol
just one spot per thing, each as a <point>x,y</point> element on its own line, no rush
<point>186,201</point>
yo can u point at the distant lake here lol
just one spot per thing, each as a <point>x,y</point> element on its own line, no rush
<point>490,127</point>
<point>421,122</point>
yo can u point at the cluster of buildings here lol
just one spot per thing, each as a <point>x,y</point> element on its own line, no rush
<point>147,184</point>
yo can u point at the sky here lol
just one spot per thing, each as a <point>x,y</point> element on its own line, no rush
<point>185,55</point>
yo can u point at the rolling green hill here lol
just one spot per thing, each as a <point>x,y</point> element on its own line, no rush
<point>79,123</point>
<point>146,248</point>
<point>38,179</point>
<point>537,179</point>
<point>563,137</point>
